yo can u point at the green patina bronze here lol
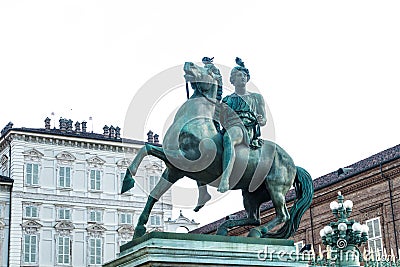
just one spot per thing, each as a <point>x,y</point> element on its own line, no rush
<point>234,158</point>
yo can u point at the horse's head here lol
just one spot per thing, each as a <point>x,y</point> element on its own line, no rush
<point>203,79</point>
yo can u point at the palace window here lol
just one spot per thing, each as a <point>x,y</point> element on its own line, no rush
<point>32,173</point>
<point>125,218</point>
<point>30,248</point>
<point>95,251</point>
<point>64,177</point>
<point>64,250</point>
<point>155,220</point>
<point>374,235</point>
<point>31,211</point>
<point>64,214</point>
<point>95,216</point>
<point>4,165</point>
<point>122,176</point>
<point>95,180</point>
<point>153,180</point>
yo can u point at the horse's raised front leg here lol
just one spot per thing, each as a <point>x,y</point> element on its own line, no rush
<point>167,179</point>
<point>147,149</point>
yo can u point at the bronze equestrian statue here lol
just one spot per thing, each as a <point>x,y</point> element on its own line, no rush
<point>193,146</point>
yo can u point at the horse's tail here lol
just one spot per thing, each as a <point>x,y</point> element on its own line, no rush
<point>304,193</point>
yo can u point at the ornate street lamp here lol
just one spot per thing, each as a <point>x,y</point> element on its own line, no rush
<point>344,236</point>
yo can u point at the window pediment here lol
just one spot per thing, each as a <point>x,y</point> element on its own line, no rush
<point>126,231</point>
<point>64,227</point>
<point>65,157</point>
<point>31,227</point>
<point>153,167</point>
<point>96,230</point>
<point>123,163</point>
<point>96,161</point>
<point>33,155</point>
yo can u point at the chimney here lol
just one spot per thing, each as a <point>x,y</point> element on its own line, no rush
<point>117,132</point>
<point>77,126</point>
<point>69,125</point>
<point>112,132</point>
<point>105,131</point>
<point>6,128</point>
<point>150,137</point>
<point>47,123</point>
<point>156,141</point>
<point>63,124</point>
<point>84,127</point>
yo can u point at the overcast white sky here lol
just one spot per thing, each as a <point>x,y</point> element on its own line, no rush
<point>328,70</point>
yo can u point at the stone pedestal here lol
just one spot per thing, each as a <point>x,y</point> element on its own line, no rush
<point>194,250</point>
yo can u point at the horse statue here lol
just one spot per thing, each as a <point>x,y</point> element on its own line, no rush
<point>193,147</point>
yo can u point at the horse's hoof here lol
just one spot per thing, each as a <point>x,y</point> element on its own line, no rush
<point>264,231</point>
<point>254,233</point>
<point>128,182</point>
<point>140,230</point>
<point>222,231</point>
<point>197,208</point>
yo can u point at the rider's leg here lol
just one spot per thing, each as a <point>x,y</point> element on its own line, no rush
<point>204,196</point>
<point>232,138</point>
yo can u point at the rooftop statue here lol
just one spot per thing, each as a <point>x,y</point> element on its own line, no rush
<point>232,158</point>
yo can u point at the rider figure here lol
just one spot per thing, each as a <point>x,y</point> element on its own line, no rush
<point>242,113</point>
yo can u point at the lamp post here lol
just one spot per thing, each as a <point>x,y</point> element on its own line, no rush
<point>344,236</point>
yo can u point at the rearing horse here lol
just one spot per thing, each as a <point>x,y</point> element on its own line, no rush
<point>192,147</point>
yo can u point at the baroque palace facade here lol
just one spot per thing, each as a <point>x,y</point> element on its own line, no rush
<point>60,201</point>
<point>373,184</point>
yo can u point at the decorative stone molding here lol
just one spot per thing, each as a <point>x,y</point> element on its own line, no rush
<point>123,163</point>
<point>153,167</point>
<point>33,155</point>
<point>31,227</point>
<point>372,211</point>
<point>96,230</point>
<point>117,147</point>
<point>126,231</point>
<point>363,181</point>
<point>65,157</point>
<point>155,229</point>
<point>95,162</point>
<point>64,227</point>
<point>137,204</point>
<point>393,173</point>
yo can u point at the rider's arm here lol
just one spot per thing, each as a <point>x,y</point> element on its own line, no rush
<point>261,114</point>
